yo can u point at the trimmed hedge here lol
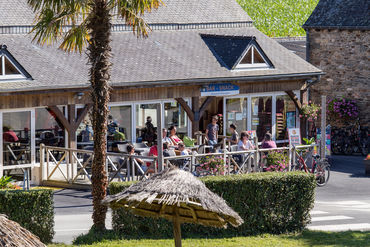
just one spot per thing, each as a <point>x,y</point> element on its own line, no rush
<point>270,202</point>
<point>31,209</point>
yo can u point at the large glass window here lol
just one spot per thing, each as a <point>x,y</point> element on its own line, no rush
<point>285,116</point>
<point>16,138</point>
<point>175,115</point>
<point>146,122</point>
<point>49,130</point>
<point>119,126</point>
<point>236,113</point>
<point>85,135</point>
<point>262,115</point>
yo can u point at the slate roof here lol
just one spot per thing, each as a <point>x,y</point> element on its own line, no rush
<point>340,14</point>
<point>167,57</point>
<point>227,49</point>
<point>17,12</point>
<point>163,58</point>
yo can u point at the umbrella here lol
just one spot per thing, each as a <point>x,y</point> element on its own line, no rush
<point>178,196</point>
<point>13,235</point>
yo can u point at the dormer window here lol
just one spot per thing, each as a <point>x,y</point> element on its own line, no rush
<point>10,69</point>
<point>237,52</point>
<point>252,59</point>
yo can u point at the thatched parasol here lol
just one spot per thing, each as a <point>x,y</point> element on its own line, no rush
<point>13,235</point>
<point>178,196</point>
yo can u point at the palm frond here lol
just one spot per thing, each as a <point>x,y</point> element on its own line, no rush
<point>61,19</point>
<point>131,11</point>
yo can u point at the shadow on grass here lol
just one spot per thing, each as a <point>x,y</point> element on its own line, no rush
<point>310,238</point>
<point>318,238</point>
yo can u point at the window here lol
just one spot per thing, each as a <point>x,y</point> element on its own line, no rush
<point>119,126</point>
<point>253,59</point>
<point>49,130</point>
<point>285,116</point>
<point>176,116</point>
<point>17,138</point>
<point>146,122</point>
<point>262,115</point>
<point>8,69</point>
<point>236,113</point>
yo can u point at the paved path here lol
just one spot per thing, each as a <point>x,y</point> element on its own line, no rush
<point>343,204</point>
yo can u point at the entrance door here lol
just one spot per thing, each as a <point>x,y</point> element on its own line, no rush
<point>17,142</point>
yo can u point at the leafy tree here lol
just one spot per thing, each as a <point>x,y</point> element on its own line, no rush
<point>81,23</point>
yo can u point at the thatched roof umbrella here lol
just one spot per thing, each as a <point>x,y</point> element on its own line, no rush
<point>177,196</point>
<point>13,235</point>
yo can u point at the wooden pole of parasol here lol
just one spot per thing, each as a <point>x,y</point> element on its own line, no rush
<point>177,228</point>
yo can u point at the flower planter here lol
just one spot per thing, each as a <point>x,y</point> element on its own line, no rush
<point>367,167</point>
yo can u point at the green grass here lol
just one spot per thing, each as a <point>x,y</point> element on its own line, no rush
<point>279,18</point>
<point>307,238</point>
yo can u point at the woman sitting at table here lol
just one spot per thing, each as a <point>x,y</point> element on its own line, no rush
<point>244,142</point>
<point>174,138</point>
<point>131,151</point>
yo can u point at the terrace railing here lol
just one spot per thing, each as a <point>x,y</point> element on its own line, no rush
<point>75,165</point>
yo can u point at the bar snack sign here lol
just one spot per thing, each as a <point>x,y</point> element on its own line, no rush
<point>222,89</point>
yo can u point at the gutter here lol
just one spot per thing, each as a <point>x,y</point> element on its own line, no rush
<point>167,83</point>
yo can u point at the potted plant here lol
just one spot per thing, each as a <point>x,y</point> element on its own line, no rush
<point>342,111</point>
<point>310,111</point>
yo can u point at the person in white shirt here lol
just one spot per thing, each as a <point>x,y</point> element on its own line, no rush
<point>182,149</point>
<point>166,139</point>
<point>244,142</point>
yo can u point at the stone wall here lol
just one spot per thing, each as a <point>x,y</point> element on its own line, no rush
<point>344,55</point>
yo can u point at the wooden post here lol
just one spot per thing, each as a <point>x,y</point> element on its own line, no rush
<point>323,126</point>
<point>159,137</point>
<point>177,228</point>
<point>256,154</point>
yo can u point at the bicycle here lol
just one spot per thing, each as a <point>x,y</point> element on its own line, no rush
<point>320,167</point>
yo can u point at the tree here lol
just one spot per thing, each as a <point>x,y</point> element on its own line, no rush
<point>81,23</point>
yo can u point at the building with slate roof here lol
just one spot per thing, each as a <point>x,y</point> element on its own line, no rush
<point>338,42</point>
<point>202,58</point>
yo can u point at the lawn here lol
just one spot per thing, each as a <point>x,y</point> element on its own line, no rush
<point>307,238</point>
<point>279,18</point>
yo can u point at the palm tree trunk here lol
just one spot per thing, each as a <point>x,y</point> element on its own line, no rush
<point>99,54</point>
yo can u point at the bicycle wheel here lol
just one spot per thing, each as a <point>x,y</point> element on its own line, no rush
<point>322,174</point>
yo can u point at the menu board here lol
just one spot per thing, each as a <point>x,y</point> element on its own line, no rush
<point>294,136</point>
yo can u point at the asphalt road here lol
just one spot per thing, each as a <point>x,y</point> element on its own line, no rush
<point>343,204</point>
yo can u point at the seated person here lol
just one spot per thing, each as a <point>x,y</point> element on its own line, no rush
<point>183,150</point>
<point>174,138</point>
<point>9,135</point>
<point>131,151</point>
<point>166,139</point>
<point>244,142</point>
<point>268,142</point>
<point>234,135</point>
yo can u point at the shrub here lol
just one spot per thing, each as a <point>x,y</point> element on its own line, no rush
<point>268,203</point>
<point>277,161</point>
<point>31,209</point>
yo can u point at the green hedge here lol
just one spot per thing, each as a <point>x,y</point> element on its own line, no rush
<point>268,202</point>
<point>31,209</point>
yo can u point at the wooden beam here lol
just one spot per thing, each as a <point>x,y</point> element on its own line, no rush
<point>186,108</point>
<point>82,114</point>
<point>205,105</point>
<point>295,100</point>
<point>59,114</point>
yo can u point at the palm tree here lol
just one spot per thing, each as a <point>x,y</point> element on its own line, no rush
<point>80,23</point>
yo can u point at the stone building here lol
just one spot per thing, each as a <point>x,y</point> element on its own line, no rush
<point>338,42</point>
